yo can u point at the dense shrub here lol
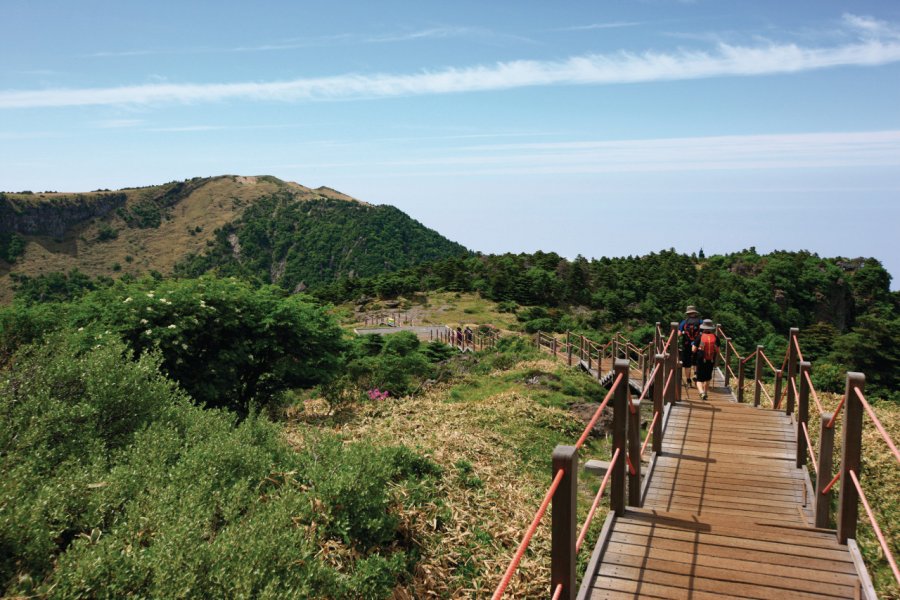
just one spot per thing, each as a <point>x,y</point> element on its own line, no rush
<point>224,341</point>
<point>116,485</point>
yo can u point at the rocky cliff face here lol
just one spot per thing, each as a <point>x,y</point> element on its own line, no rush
<point>55,214</point>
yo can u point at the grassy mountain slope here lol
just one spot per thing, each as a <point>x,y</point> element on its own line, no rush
<point>135,230</point>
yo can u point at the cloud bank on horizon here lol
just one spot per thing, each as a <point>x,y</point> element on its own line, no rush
<point>876,42</point>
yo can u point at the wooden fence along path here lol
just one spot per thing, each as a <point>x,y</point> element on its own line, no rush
<point>722,505</point>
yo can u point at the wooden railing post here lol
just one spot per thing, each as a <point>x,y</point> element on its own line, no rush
<point>851,450</point>
<point>620,417</point>
<point>568,349</point>
<point>589,356</point>
<point>581,347</point>
<point>727,373</point>
<point>564,532</point>
<point>802,415</point>
<point>718,359</point>
<point>634,452</point>
<point>676,362</point>
<point>740,383</point>
<point>779,376</point>
<point>553,347</point>
<point>658,383</point>
<point>826,464</point>
<point>757,375</point>
<point>657,342</point>
<point>792,370</point>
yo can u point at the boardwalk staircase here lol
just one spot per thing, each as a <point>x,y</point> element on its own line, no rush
<point>723,505</point>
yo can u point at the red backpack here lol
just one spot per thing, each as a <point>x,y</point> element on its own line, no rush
<point>708,342</point>
<point>691,329</point>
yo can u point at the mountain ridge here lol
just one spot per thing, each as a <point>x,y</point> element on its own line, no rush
<point>135,230</point>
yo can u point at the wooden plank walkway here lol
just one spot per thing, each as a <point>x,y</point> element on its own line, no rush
<point>724,515</point>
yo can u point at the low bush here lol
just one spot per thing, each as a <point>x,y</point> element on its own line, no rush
<point>116,485</point>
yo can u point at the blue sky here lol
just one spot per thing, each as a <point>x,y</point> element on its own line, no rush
<point>593,128</point>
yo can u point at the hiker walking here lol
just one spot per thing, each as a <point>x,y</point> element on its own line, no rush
<point>706,348</point>
<point>689,330</point>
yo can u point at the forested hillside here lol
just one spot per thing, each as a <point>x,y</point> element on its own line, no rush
<point>301,244</point>
<point>848,316</point>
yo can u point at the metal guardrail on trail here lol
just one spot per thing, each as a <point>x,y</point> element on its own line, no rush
<point>660,375</point>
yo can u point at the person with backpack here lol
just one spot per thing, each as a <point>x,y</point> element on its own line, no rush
<point>689,330</point>
<point>706,348</point>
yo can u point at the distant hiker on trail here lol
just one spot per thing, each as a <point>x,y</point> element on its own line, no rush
<point>459,337</point>
<point>706,348</point>
<point>468,333</point>
<point>689,330</point>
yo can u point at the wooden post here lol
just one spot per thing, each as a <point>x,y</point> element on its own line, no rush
<point>581,347</point>
<point>792,370</point>
<point>656,340</point>
<point>568,349</point>
<point>620,417</point>
<point>634,452</point>
<point>740,385</point>
<point>677,380</point>
<point>826,460</point>
<point>589,362</point>
<point>564,532</point>
<point>848,498</point>
<point>779,375</point>
<point>553,347</point>
<point>675,361</point>
<point>615,347</point>
<point>658,383</point>
<point>802,415</point>
<point>757,375</point>
<point>727,361</point>
<point>669,392</point>
<point>718,359</point>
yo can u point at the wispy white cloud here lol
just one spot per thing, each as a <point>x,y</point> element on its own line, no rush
<point>592,26</point>
<point>710,153</point>
<point>341,39</point>
<point>725,60</point>
<point>118,123</point>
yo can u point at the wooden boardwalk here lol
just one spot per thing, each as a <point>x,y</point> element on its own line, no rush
<point>726,514</point>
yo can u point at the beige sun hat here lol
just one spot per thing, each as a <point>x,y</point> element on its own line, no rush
<point>691,310</point>
<point>707,325</point>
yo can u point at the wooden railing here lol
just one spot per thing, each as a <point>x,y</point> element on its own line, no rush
<point>664,380</point>
<point>800,390</point>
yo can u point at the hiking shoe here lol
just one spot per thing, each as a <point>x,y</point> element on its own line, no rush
<point>704,396</point>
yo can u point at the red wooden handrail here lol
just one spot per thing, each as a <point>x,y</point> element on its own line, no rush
<point>812,389</point>
<point>837,411</point>
<point>831,483</point>
<point>797,346</point>
<point>557,592</point>
<point>809,449</point>
<point>768,362</point>
<point>593,421</point>
<point>668,381</point>
<point>649,381</point>
<point>749,356</point>
<point>764,391</point>
<point>523,545</point>
<point>878,425</point>
<point>884,545</point>
<point>649,432</point>
<point>596,503</point>
<point>668,341</point>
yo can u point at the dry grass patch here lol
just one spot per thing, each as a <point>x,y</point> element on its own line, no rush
<point>495,452</point>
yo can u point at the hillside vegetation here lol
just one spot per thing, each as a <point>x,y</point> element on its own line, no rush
<point>848,317</point>
<point>200,224</point>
